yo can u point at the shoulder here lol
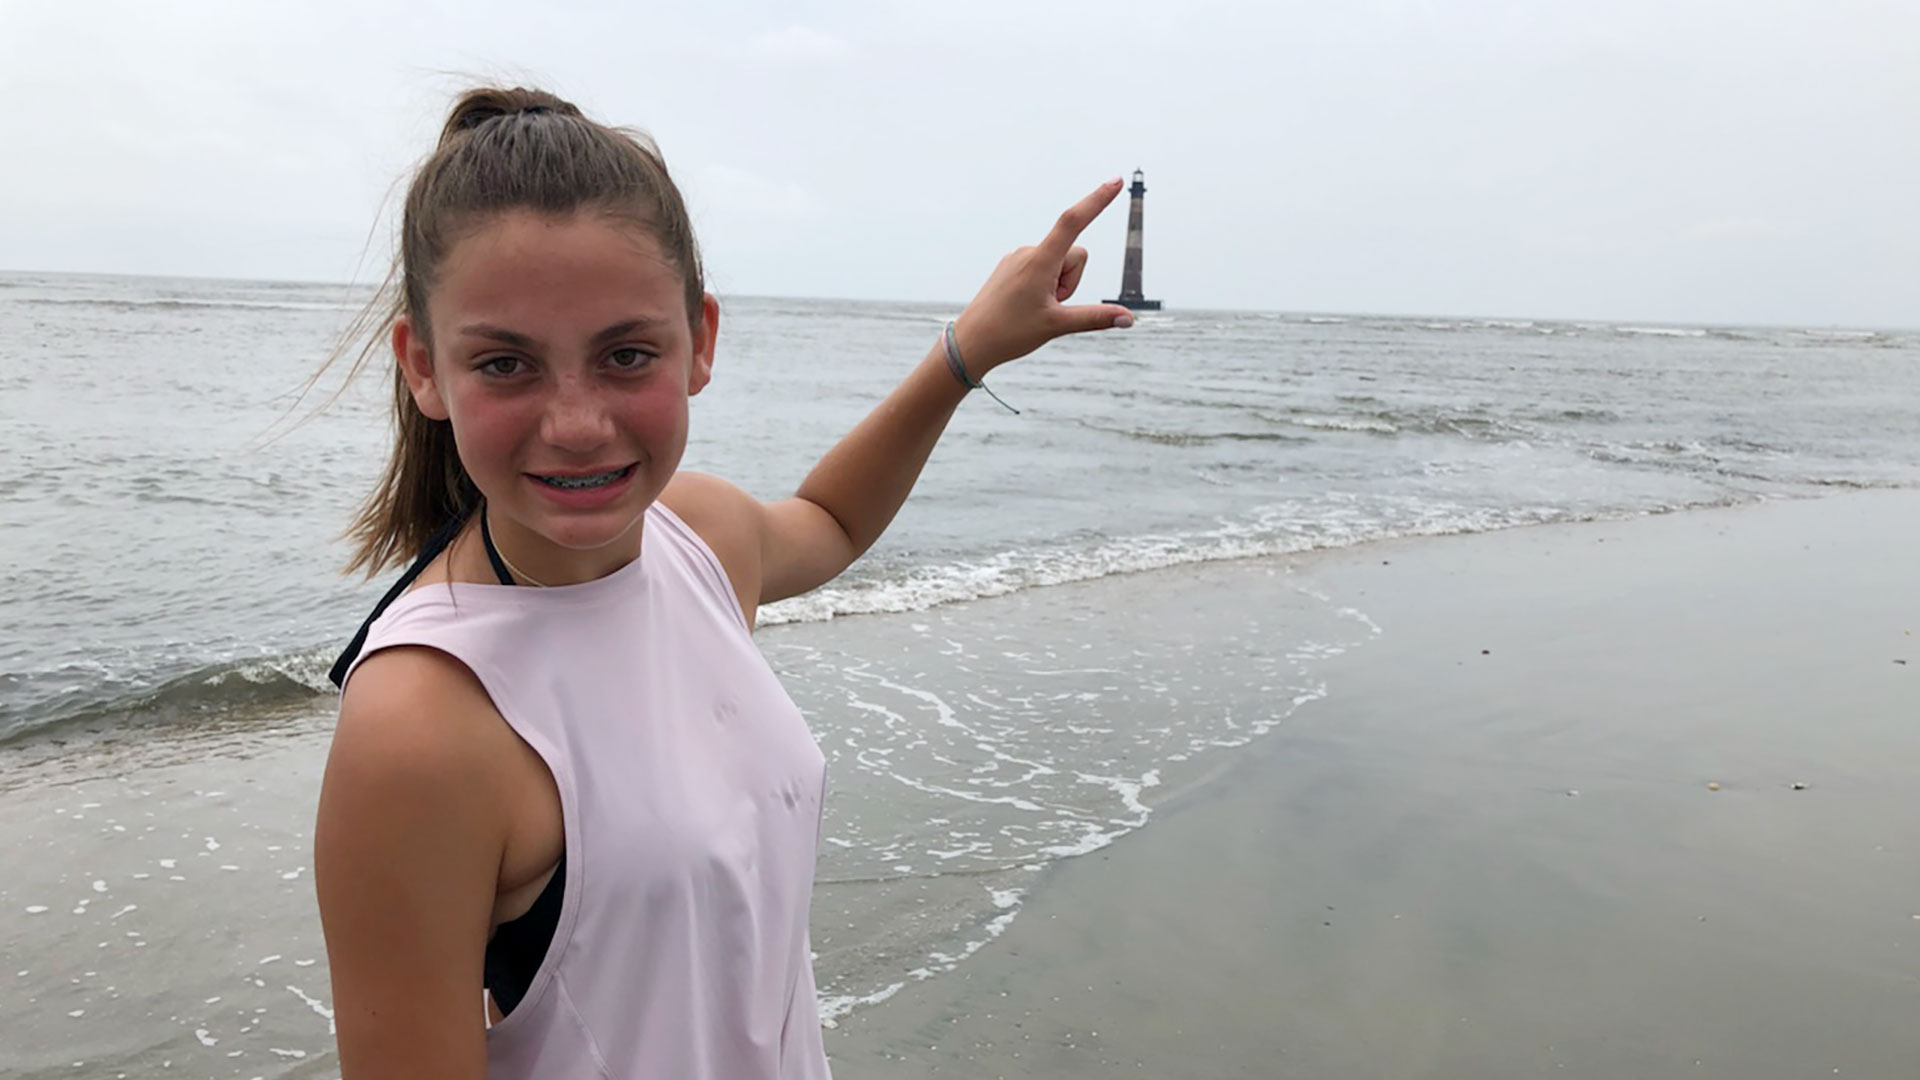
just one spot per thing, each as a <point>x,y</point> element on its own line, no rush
<point>730,521</point>
<point>410,691</point>
<point>710,505</point>
<point>412,786</point>
<point>414,724</point>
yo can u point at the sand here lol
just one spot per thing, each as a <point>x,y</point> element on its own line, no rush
<point>1496,848</point>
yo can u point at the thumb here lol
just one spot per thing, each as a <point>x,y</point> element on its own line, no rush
<point>1081,318</point>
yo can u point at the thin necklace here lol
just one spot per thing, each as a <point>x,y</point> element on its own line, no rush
<point>487,535</point>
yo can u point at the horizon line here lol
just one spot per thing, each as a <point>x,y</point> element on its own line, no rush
<point>1304,312</point>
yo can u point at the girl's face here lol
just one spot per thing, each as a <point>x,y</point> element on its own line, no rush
<point>563,354</point>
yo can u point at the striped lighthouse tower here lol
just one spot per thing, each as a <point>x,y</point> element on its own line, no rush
<point>1130,294</point>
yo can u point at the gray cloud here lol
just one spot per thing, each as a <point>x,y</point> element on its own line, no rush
<point>1688,161</point>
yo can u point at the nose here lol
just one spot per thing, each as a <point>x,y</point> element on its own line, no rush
<point>576,419</point>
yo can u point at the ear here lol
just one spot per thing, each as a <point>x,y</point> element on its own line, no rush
<point>416,366</point>
<point>704,336</point>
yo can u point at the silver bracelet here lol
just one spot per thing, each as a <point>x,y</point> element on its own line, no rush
<point>959,369</point>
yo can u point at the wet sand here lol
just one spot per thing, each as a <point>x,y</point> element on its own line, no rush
<point>1493,849</point>
<point>156,909</point>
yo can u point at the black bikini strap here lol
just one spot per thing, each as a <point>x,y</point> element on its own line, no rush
<point>435,545</point>
<point>493,553</point>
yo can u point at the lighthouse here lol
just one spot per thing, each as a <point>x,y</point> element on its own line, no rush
<point>1130,294</point>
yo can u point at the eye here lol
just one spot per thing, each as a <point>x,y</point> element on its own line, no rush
<point>501,366</point>
<point>629,359</point>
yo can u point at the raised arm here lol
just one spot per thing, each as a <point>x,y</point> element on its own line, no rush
<point>785,548</point>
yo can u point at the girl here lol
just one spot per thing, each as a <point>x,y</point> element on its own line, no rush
<point>568,822</point>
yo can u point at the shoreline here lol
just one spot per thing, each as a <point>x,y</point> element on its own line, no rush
<point>267,683</point>
<point>1305,892</point>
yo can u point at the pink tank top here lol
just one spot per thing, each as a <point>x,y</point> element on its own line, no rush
<point>691,791</point>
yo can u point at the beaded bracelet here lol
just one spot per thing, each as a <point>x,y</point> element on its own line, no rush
<point>959,369</point>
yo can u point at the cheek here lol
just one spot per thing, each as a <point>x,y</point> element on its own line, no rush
<point>656,424</point>
<point>656,412</point>
<point>488,429</point>
<point>670,412</point>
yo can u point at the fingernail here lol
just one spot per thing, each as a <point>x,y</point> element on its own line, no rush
<point>1123,321</point>
<point>1115,182</point>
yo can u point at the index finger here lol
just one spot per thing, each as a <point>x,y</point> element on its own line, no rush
<point>1077,217</point>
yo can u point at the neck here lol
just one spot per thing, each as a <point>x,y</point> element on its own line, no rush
<point>533,559</point>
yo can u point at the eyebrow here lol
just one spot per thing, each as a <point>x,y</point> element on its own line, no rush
<point>521,341</point>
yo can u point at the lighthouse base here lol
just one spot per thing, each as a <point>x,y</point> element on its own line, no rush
<point>1136,304</point>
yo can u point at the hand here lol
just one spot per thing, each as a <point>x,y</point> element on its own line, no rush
<point>1023,304</point>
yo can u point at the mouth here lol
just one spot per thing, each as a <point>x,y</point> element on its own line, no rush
<point>584,481</point>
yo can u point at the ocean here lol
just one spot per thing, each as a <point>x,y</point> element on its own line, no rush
<point>170,516</point>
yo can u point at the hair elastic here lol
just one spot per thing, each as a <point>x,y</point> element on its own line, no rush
<point>959,368</point>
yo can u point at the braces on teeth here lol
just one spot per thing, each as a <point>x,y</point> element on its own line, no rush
<point>599,480</point>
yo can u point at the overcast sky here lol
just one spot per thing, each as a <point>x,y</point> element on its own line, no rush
<point>1679,160</point>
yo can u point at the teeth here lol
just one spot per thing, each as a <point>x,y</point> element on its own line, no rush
<point>578,482</point>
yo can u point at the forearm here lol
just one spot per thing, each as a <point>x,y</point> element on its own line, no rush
<point>865,478</point>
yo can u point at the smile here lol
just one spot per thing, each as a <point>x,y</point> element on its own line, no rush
<point>585,480</point>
